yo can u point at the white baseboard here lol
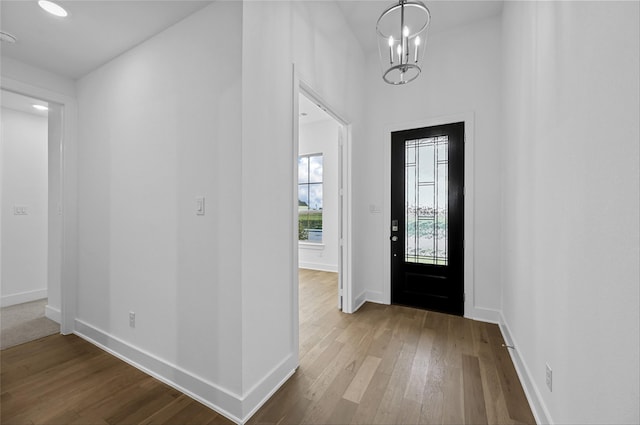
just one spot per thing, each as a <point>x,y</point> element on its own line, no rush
<point>260,393</point>
<point>53,314</point>
<point>483,315</point>
<point>217,398</point>
<point>318,266</point>
<point>236,408</point>
<point>368,296</point>
<point>23,297</point>
<point>359,301</point>
<point>376,297</point>
<point>538,407</point>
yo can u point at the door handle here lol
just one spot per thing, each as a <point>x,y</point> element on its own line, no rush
<point>394,238</point>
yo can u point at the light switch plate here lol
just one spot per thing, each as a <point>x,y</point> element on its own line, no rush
<point>200,205</point>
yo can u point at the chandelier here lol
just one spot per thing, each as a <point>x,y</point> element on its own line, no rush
<point>402,36</point>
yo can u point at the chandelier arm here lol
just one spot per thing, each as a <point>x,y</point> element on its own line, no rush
<point>402,37</point>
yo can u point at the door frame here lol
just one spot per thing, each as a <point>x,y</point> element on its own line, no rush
<point>68,194</point>
<point>300,85</point>
<point>469,190</point>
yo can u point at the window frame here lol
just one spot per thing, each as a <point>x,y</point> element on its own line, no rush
<point>308,184</point>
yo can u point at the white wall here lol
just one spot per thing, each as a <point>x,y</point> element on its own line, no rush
<point>322,137</point>
<point>268,355</point>
<point>570,267</point>
<point>315,37</point>
<point>462,75</point>
<point>24,183</point>
<point>159,126</point>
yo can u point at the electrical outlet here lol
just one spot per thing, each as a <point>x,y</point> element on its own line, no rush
<point>132,319</point>
<point>20,210</point>
<point>549,376</point>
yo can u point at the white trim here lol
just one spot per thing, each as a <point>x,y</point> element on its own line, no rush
<point>377,297</point>
<point>295,278</point>
<point>360,300</point>
<point>261,392</point>
<point>531,391</point>
<point>236,408</point>
<point>23,297</point>
<point>484,315</point>
<point>318,266</point>
<point>469,201</point>
<point>52,314</point>
<point>220,399</point>
<point>311,246</point>
<point>68,193</point>
<point>369,296</point>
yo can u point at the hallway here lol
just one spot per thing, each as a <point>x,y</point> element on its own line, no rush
<point>381,365</point>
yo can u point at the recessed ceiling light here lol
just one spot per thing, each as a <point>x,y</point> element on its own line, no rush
<point>41,107</point>
<point>52,8</point>
<point>5,36</point>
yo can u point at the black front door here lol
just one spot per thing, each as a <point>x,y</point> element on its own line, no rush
<point>427,218</point>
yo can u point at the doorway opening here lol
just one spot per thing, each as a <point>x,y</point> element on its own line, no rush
<point>322,217</point>
<point>31,225</point>
<point>319,204</point>
<point>322,194</point>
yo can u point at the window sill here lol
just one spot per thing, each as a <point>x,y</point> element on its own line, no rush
<point>311,245</point>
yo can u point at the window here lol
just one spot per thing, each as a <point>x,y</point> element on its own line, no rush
<point>310,198</point>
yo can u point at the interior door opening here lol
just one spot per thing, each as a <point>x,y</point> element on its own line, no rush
<point>427,218</point>
<point>319,191</point>
<point>31,228</point>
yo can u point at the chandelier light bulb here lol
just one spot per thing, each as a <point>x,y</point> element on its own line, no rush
<point>405,31</point>
<point>391,49</point>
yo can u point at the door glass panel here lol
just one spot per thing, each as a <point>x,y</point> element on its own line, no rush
<point>426,160</point>
<point>427,201</point>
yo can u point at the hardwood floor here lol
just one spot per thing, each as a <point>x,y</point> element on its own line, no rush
<point>384,364</point>
<point>394,365</point>
<point>66,380</point>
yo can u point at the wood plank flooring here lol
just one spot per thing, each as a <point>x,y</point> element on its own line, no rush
<point>394,365</point>
<point>66,380</point>
<point>382,365</point>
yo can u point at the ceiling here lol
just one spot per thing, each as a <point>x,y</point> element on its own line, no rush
<point>21,103</point>
<point>310,112</point>
<point>445,15</point>
<point>96,31</point>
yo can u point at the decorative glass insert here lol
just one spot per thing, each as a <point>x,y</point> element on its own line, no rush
<point>310,198</point>
<point>427,200</point>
